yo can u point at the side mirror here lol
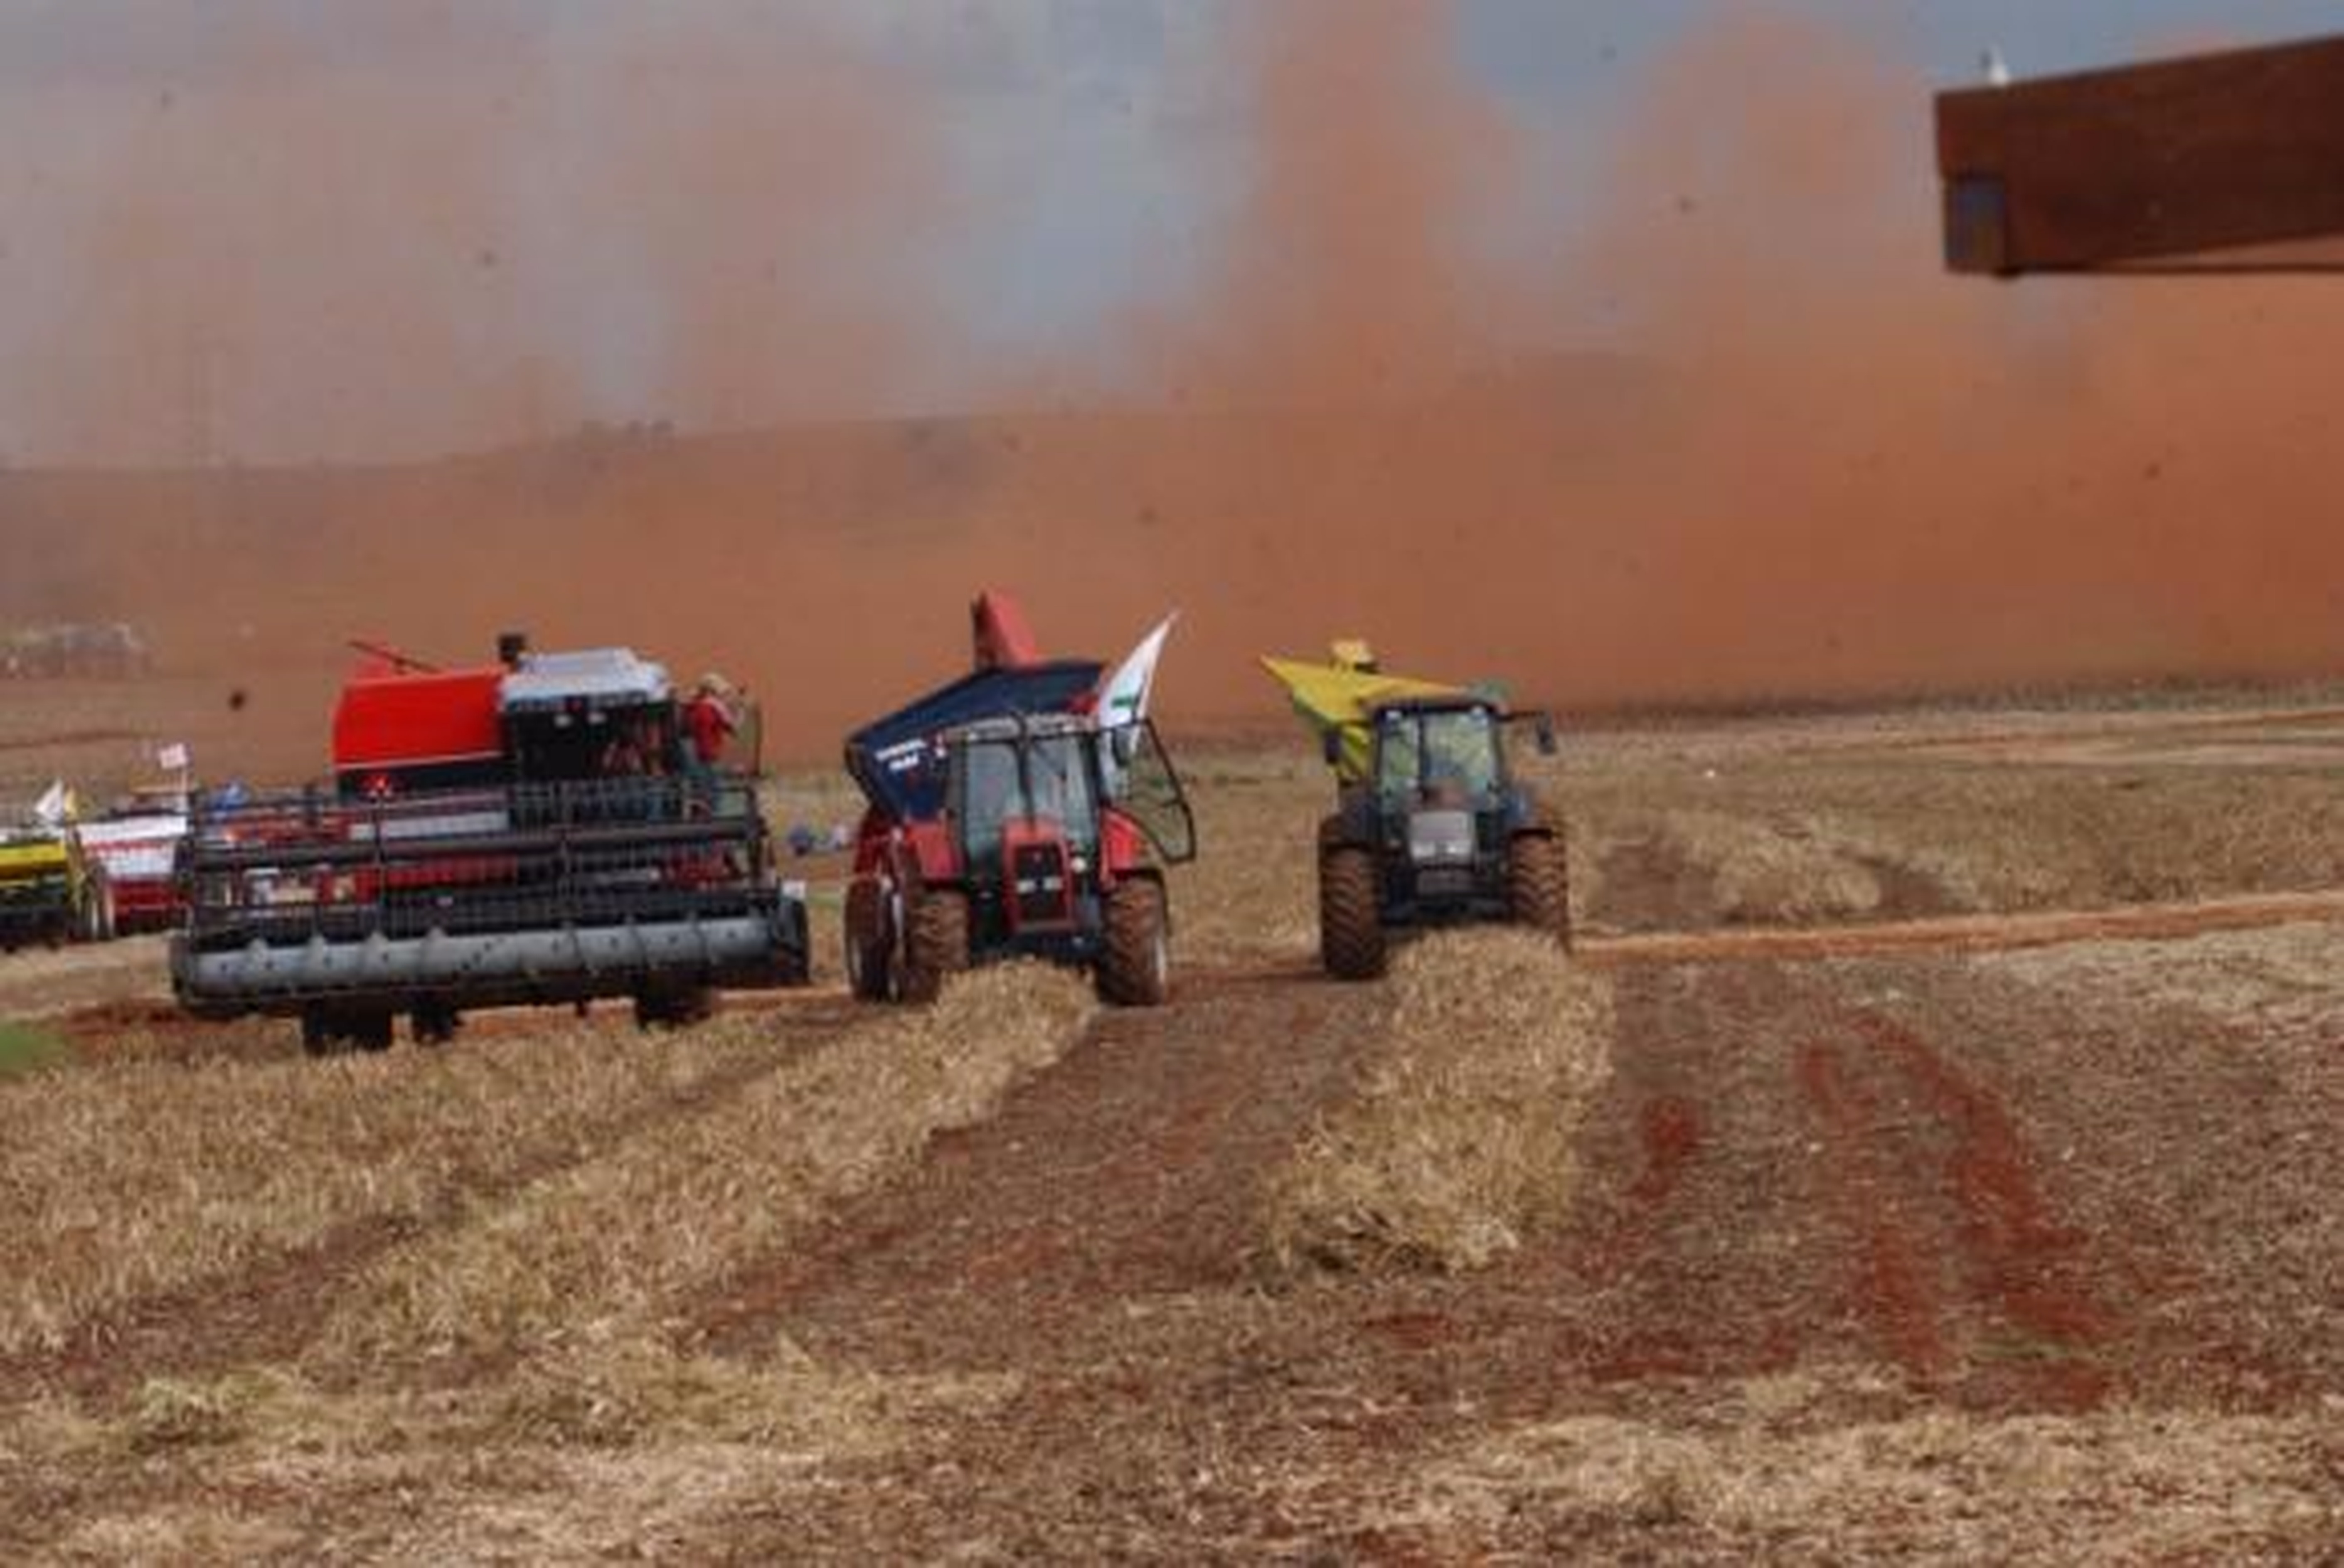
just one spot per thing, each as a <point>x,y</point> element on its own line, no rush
<point>1123,744</point>
<point>1330,746</point>
<point>1545,736</point>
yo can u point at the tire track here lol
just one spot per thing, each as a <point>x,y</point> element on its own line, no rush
<point>1958,1261</point>
<point>1131,1168</point>
<point>1969,932</point>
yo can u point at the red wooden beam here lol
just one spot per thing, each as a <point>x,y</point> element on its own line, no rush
<point>2146,164</point>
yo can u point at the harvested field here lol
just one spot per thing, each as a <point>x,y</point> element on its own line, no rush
<point>1927,1154</point>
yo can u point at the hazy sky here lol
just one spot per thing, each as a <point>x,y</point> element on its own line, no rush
<point>203,202</point>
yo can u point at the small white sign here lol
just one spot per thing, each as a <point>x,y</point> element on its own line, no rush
<point>172,759</point>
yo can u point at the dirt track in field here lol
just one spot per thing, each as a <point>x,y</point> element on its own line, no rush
<point>1970,932</point>
<point>1787,1173</point>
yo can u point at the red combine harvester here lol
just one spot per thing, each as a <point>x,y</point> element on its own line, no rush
<point>531,832</point>
<point>1007,818</point>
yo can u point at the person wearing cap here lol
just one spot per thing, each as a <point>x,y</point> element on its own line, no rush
<point>708,725</point>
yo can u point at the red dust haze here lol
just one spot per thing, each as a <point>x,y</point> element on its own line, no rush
<point>1805,464</point>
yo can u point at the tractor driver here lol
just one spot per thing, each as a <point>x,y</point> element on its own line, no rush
<point>1457,762</point>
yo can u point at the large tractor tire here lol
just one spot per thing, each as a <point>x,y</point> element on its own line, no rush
<point>936,945</point>
<point>1538,877</point>
<point>870,942</point>
<point>1135,968</point>
<point>1350,924</point>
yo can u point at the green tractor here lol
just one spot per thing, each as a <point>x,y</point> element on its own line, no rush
<point>1431,826</point>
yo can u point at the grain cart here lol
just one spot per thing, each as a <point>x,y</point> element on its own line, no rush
<point>947,780</point>
<point>1430,827</point>
<point>530,831</point>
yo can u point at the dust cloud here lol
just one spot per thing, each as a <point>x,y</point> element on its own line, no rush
<point>1790,458</point>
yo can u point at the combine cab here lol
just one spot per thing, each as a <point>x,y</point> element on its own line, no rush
<point>1429,827</point>
<point>529,833</point>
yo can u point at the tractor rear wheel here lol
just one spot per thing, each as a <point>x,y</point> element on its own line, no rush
<point>1135,968</point>
<point>869,944</point>
<point>1350,924</point>
<point>1538,881</point>
<point>936,945</point>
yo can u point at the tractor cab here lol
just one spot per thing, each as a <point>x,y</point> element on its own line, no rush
<point>1052,845</point>
<point>1045,809</point>
<point>1445,753</point>
<point>1440,799</point>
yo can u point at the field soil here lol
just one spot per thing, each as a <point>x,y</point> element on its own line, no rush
<point>1931,1149</point>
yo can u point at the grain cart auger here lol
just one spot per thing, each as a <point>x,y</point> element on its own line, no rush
<point>1027,809</point>
<point>532,832</point>
<point>1431,825</point>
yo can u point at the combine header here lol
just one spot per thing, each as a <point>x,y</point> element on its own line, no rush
<point>1027,809</point>
<point>538,831</point>
<point>1431,825</point>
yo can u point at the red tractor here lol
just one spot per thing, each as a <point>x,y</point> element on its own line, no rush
<point>537,831</point>
<point>1007,818</point>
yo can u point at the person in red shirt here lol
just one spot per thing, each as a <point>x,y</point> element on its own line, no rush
<point>708,723</point>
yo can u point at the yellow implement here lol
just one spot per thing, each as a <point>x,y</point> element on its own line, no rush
<point>1339,697</point>
<point>33,857</point>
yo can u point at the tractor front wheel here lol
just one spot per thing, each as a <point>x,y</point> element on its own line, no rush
<point>936,945</point>
<point>1135,968</point>
<point>1351,923</point>
<point>869,944</point>
<point>1539,885</point>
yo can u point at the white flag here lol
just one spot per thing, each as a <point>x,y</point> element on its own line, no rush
<point>173,758</point>
<point>56,806</point>
<point>1123,695</point>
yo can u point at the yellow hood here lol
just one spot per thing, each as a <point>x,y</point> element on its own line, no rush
<point>1339,698</point>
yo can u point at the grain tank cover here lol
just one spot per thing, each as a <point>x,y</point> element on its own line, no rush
<point>594,679</point>
<point>893,758</point>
